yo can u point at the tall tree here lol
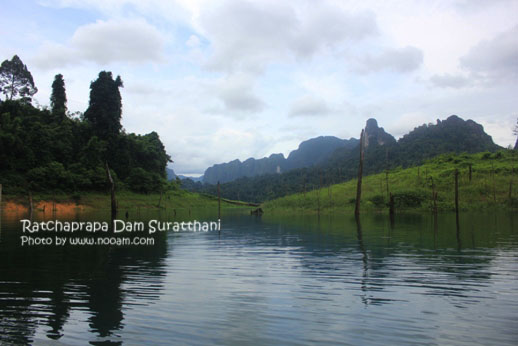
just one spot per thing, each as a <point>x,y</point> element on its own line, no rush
<point>58,98</point>
<point>104,112</point>
<point>515,130</point>
<point>16,80</point>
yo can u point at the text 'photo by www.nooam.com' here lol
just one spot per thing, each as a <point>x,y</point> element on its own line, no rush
<point>116,233</point>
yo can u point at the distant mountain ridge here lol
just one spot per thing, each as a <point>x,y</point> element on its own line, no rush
<point>311,152</point>
<point>382,152</point>
<point>170,173</point>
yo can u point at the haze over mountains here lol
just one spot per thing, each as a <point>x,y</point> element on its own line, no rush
<point>311,152</point>
<point>327,160</point>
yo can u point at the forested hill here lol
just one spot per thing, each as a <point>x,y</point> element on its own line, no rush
<point>382,152</point>
<point>49,150</point>
<point>311,152</point>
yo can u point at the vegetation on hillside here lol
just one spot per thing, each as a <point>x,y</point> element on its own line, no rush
<point>383,152</point>
<point>53,151</point>
<point>127,200</point>
<point>493,184</point>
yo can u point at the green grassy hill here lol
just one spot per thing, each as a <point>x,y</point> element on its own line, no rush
<point>493,176</point>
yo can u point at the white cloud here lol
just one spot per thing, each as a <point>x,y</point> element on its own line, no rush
<point>450,81</point>
<point>193,41</point>
<point>309,106</point>
<point>406,123</point>
<point>495,59</point>
<point>401,60</point>
<point>248,35</point>
<point>237,94</point>
<point>269,59</point>
<point>105,42</point>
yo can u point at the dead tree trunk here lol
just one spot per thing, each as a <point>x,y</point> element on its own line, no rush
<point>112,192</point>
<point>493,181</point>
<point>318,196</point>
<point>434,197</point>
<point>457,197</point>
<point>360,174</point>
<point>0,211</point>
<point>219,202</point>
<point>30,205</point>
<point>386,183</point>
<point>391,206</point>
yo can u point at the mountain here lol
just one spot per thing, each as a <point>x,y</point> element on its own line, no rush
<point>451,135</point>
<point>311,152</point>
<point>194,179</point>
<point>170,173</point>
<point>382,152</point>
<point>315,151</point>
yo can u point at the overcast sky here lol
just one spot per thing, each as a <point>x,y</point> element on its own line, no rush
<point>220,80</point>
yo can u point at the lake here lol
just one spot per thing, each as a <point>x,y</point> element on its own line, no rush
<point>269,280</point>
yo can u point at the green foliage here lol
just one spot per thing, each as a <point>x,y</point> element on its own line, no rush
<point>142,181</point>
<point>16,81</point>
<point>452,136</point>
<point>58,98</point>
<point>51,176</point>
<point>377,200</point>
<point>493,184</point>
<point>409,199</point>
<point>104,112</point>
<point>44,151</point>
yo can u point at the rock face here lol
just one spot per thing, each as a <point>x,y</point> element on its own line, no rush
<point>170,173</point>
<point>375,134</point>
<point>451,135</point>
<point>311,152</point>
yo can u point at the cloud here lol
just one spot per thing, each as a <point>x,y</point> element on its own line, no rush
<point>450,81</point>
<point>193,41</point>
<point>237,94</point>
<point>104,42</point>
<point>400,60</point>
<point>247,36</point>
<point>495,59</point>
<point>309,106</point>
<point>406,122</point>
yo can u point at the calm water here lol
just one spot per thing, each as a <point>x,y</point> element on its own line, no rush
<point>271,280</point>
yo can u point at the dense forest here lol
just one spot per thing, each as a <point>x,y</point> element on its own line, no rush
<point>50,150</point>
<point>383,152</point>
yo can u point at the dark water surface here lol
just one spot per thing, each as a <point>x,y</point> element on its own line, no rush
<point>270,280</point>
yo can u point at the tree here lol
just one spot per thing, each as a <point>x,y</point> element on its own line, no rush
<point>104,112</point>
<point>516,133</point>
<point>16,80</point>
<point>58,98</point>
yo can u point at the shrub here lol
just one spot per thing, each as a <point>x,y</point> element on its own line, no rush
<point>409,199</point>
<point>142,181</point>
<point>378,201</point>
<point>51,176</point>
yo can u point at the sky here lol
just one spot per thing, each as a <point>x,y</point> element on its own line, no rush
<point>220,80</point>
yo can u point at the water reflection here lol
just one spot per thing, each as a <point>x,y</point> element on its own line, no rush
<point>42,285</point>
<point>269,279</point>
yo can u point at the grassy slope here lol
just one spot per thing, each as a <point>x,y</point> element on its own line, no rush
<point>486,190</point>
<point>172,199</point>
